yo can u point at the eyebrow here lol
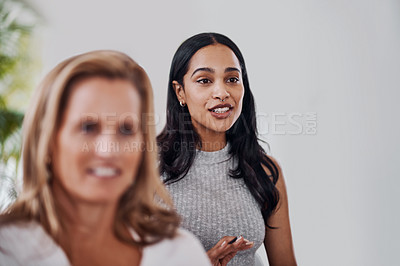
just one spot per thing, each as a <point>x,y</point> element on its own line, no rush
<point>231,69</point>
<point>208,69</point>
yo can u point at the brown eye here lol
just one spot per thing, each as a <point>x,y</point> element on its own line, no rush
<point>203,81</point>
<point>127,128</point>
<point>233,80</point>
<point>88,127</point>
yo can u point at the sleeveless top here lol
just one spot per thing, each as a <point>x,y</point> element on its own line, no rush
<point>213,205</point>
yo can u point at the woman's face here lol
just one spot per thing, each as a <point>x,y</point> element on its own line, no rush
<point>213,90</point>
<point>97,151</point>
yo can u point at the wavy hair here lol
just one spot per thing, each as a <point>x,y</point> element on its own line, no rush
<point>137,207</point>
<point>178,140</point>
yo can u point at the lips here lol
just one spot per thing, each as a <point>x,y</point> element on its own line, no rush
<point>104,172</point>
<point>221,110</point>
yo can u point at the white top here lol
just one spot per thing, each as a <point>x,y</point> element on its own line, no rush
<point>28,244</point>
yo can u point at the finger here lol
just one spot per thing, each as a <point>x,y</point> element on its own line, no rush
<point>232,241</point>
<point>227,248</point>
<point>230,249</point>
<point>226,239</point>
<point>239,241</point>
<point>242,244</point>
<point>220,249</point>
<point>246,245</point>
<point>227,258</point>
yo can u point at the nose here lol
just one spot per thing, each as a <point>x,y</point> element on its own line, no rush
<point>220,92</point>
<point>106,145</point>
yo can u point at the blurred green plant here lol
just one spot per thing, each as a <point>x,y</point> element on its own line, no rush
<point>17,22</point>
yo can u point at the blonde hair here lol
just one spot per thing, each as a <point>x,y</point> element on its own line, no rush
<point>139,207</point>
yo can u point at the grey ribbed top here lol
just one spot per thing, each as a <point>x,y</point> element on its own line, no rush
<point>213,204</point>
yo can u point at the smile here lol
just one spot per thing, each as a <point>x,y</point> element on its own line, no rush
<point>220,110</point>
<point>104,172</point>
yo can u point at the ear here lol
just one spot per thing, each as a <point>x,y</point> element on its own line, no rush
<point>179,91</point>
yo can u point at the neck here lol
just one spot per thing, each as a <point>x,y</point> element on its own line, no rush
<point>212,141</point>
<point>85,223</point>
<point>88,236</point>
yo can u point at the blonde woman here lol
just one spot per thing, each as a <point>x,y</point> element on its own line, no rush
<point>90,177</point>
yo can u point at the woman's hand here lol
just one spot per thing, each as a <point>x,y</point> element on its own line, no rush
<point>223,252</point>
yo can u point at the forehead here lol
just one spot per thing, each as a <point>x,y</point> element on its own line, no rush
<point>215,56</point>
<point>102,96</point>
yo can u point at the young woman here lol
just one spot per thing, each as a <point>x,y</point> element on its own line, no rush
<point>222,182</point>
<point>90,176</point>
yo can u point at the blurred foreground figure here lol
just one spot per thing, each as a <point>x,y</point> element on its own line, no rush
<point>91,192</point>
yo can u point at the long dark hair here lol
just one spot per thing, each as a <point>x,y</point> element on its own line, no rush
<point>178,140</point>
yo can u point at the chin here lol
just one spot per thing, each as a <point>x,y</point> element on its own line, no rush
<point>100,199</point>
<point>100,196</point>
<point>222,128</point>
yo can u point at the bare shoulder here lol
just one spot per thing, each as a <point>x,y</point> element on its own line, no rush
<point>278,242</point>
<point>280,184</point>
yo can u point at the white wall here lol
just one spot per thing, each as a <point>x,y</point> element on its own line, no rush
<point>337,59</point>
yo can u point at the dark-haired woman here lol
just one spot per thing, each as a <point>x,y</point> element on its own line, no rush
<point>229,192</point>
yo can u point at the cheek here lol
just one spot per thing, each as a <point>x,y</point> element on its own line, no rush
<point>240,104</point>
<point>66,161</point>
<point>240,94</point>
<point>133,153</point>
<point>68,155</point>
<point>240,98</point>
<point>197,106</point>
<point>134,158</point>
<point>193,105</point>
<point>196,99</point>
<point>133,162</point>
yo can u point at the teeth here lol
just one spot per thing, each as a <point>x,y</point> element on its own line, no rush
<point>221,110</point>
<point>104,171</point>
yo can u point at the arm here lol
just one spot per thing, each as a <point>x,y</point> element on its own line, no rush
<point>278,242</point>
